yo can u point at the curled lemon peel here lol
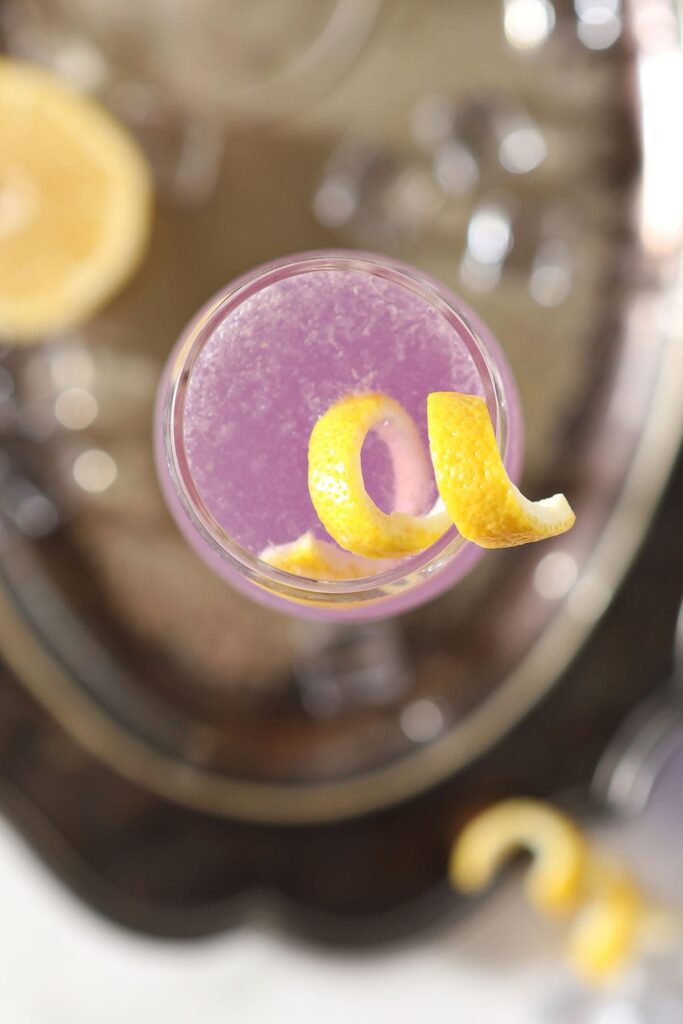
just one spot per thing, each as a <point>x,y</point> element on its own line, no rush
<point>479,496</point>
<point>335,479</point>
<point>558,852</point>
<point>316,559</point>
<point>476,494</point>
<point>610,918</point>
<point>604,935</point>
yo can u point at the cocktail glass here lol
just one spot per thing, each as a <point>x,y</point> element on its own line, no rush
<point>255,370</point>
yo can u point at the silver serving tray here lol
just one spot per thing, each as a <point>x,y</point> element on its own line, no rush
<point>568,244</point>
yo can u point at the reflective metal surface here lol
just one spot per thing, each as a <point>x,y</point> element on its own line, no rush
<point>455,143</point>
<point>647,740</point>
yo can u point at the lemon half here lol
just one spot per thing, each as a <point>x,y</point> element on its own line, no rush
<point>75,199</point>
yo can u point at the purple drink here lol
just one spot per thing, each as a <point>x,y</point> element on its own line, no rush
<point>262,363</point>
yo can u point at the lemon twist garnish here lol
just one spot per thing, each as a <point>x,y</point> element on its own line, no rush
<point>335,479</point>
<point>482,501</point>
<point>553,881</point>
<point>604,935</point>
<point>316,559</point>
<point>611,919</point>
<point>75,198</point>
<point>479,497</point>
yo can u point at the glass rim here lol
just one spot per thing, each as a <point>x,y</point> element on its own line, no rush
<point>409,572</point>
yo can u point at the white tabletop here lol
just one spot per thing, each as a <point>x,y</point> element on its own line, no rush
<point>62,964</point>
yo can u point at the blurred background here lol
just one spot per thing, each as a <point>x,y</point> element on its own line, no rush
<point>177,763</point>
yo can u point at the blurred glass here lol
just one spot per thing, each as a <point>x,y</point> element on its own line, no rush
<point>209,56</point>
<point>176,70</point>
